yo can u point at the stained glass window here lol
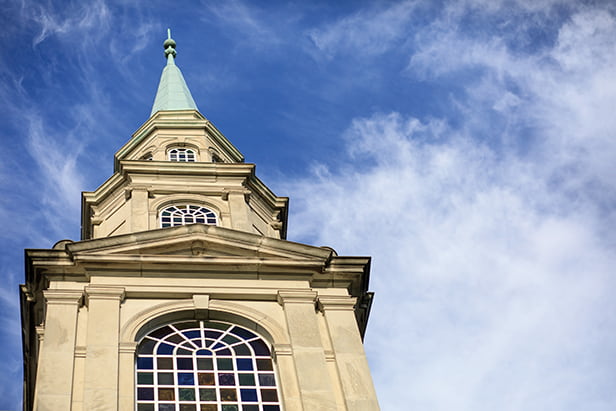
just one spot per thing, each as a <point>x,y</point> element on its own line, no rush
<point>182,154</point>
<point>186,214</point>
<point>205,366</point>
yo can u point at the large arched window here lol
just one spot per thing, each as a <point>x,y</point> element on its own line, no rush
<point>182,154</point>
<point>186,214</point>
<point>205,366</point>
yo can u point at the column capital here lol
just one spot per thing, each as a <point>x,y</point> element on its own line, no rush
<point>64,297</point>
<point>94,292</point>
<point>305,296</point>
<point>336,303</point>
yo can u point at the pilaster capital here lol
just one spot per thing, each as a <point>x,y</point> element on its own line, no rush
<point>336,303</point>
<point>80,351</point>
<point>282,350</point>
<point>306,296</point>
<point>63,297</point>
<point>236,193</point>
<point>127,347</point>
<point>94,292</point>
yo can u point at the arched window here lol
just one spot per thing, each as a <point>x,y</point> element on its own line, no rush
<point>186,214</point>
<point>205,366</point>
<point>182,154</point>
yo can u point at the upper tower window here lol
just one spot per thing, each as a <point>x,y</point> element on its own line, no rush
<point>182,154</point>
<point>186,214</point>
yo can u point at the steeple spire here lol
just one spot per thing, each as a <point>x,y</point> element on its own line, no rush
<point>173,93</point>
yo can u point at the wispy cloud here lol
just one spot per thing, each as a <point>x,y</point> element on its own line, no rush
<point>367,32</point>
<point>258,27</point>
<point>68,20</point>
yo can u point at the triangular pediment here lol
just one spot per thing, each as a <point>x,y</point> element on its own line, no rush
<point>199,241</point>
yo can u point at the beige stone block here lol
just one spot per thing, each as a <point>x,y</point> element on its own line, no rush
<point>311,369</point>
<point>49,402</point>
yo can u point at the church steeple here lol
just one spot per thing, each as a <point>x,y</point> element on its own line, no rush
<point>183,293</point>
<point>173,93</point>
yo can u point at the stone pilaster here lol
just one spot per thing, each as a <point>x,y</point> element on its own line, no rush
<point>308,354</point>
<point>102,356</point>
<point>126,395</point>
<point>139,217</point>
<point>54,381</point>
<point>353,370</point>
<point>240,217</point>
<point>287,376</point>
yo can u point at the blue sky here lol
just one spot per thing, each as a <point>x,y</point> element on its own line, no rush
<point>468,146</point>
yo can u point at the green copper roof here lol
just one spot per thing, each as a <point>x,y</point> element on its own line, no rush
<point>173,93</point>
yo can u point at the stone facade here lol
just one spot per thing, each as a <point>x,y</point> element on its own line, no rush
<point>87,304</point>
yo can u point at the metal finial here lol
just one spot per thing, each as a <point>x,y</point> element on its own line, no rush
<point>169,45</point>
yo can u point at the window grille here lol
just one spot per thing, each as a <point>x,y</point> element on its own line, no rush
<point>205,366</point>
<point>186,214</point>
<point>182,154</point>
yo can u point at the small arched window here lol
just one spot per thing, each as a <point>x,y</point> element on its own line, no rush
<point>186,214</point>
<point>205,366</point>
<point>182,154</point>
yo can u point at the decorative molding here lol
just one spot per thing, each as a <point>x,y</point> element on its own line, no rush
<point>63,297</point>
<point>201,301</point>
<point>127,347</point>
<point>336,303</point>
<point>80,351</point>
<point>306,296</point>
<point>95,292</point>
<point>198,247</point>
<point>282,349</point>
<point>275,331</point>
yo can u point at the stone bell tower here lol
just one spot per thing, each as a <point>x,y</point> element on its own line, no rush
<point>183,293</point>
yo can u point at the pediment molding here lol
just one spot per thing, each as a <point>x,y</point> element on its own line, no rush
<point>199,241</point>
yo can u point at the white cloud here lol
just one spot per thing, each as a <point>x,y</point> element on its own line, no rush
<point>476,267</point>
<point>492,266</point>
